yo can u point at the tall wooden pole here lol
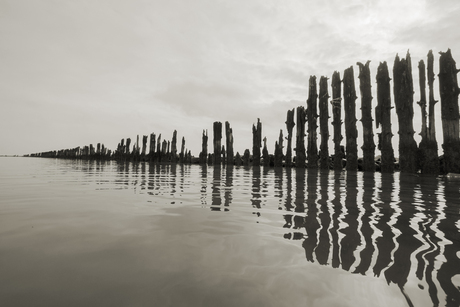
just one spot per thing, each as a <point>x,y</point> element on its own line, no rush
<point>323,123</point>
<point>289,125</point>
<point>300,156</point>
<point>337,119</point>
<point>366,117</point>
<point>217,132</point>
<point>256,142</point>
<point>351,132</point>
<point>229,142</point>
<point>312,115</point>
<point>204,147</point>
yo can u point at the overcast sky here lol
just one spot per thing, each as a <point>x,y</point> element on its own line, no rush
<point>79,72</point>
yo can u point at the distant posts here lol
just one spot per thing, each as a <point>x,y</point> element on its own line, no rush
<point>204,147</point>
<point>383,118</point>
<point>312,115</point>
<point>323,123</point>
<point>403,93</point>
<point>217,132</point>
<point>336,119</point>
<point>300,156</point>
<point>448,87</point>
<point>289,125</point>
<point>351,132</point>
<point>256,142</point>
<point>229,142</point>
<point>366,117</point>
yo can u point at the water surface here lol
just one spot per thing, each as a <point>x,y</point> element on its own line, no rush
<point>80,233</point>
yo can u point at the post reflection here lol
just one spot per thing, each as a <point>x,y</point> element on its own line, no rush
<point>399,227</point>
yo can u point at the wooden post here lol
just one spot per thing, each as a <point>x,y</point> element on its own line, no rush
<point>182,157</point>
<point>448,87</point>
<point>404,102</point>
<point>428,147</point>
<point>144,145</point>
<point>289,125</point>
<point>256,142</point>
<point>217,130</point>
<point>174,147</point>
<point>152,146</point>
<point>279,150</point>
<point>224,155</point>
<point>246,157</point>
<point>323,123</point>
<point>159,151</point>
<point>229,142</point>
<point>312,115</point>
<point>383,117</point>
<point>366,117</point>
<point>337,119</point>
<point>300,156</point>
<point>204,147</point>
<point>128,144</point>
<point>265,153</point>
<point>351,133</point>
<point>238,160</point>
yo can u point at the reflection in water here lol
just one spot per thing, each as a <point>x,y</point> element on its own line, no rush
<point>400,227</point>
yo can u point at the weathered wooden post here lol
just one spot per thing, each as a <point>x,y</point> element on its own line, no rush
<point>300,156</point>
<point>182,156</point>
<point>279,150</point>
<point>351,133</point>
<point>428,147</point>
<point>224,155</point>
<point>323,123</point>
<point>289,125</point>
<point>174,147</point>
<point>238,160</point>
<point>404,102</point>
<point>164,150</point>
<point>448,87</point>
<point>152,146</point>
<point>217,131</point>
<point>265,153</point>
<point>312,115</point>
<point>168,153</point>
<point>229,142</point>
<point>159,151</point>
<point>383,117</point>
<point>204,147</point>
<point>144,146</point>
<point>246,157</point>
<point>128,144</point>
<point>337,121</point>
<point>366,117</point>
<point>256,142</point>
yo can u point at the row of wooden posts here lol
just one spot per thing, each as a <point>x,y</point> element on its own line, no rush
<point>413,158</point>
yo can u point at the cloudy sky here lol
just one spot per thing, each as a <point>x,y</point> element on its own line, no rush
<point>79,72</point>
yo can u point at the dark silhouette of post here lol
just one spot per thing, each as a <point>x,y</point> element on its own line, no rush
<point>323,123</point>
<point>351,133</point>
<point>404,102</point>
<point>152,146</point>
<point>279,151</point>
<point>312,115</point>
<point>265,155</point>
<point>366,117</point>
<point>300,156</point>
<point>448,87</point>
<point>337,121</point>
<point>182,151</point>
<point>204,147</point>
<point>159,152</point>
<point>383,118</point>
<point>217,132</point>
<point>174,147</point>
<point>229,142</point>
<point>289,125</point>
<point>431,154</point>
<point>256,142</point>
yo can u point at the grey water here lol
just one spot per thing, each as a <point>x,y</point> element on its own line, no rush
<point>88,233</point>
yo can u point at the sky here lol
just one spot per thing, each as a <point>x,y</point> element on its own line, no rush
<point>74,73</point>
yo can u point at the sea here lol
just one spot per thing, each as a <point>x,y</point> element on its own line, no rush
<point>105,233</point>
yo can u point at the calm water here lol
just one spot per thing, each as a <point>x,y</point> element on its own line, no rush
<point>79,233</point>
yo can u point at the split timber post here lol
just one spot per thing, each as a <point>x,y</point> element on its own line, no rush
<point>323,123</point>
<point>404,102</point>
<point>144,145</point>
<point>366,117</point>
<point>128,143</point>
<point>383,117</point>
<point>256,142</point>
<point>158,155</point>
<point>428,147</point>
<point>217,132</point>
<point>182,156</point>
<point>300,156</point>
<point>351,132</point>
<point>174,147</point>
<point>336,119</point>
<point>279,151</point>
<point>312,115</point>
<point>204,147</point>
<point>448,87</point>
<point>289,125</point>
<point>152,146</point>
<point>229,142</point>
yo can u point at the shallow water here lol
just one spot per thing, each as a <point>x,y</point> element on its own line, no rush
<point>80,233</point>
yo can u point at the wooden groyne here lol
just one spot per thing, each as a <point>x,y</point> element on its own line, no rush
<point>413,157</point>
